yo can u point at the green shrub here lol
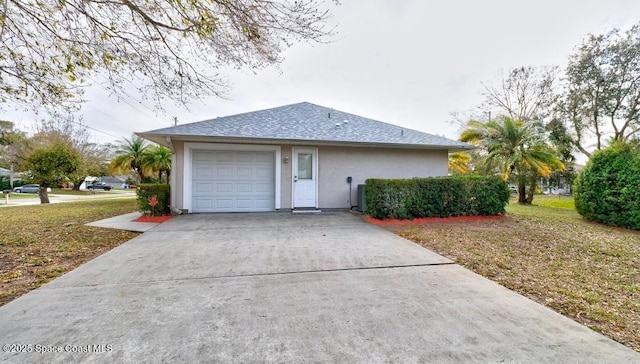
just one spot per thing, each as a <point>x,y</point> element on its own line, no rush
<point>435,197</point>
<point>162,191</point>
<point>607,189</point>
<point>149,180</point>
<point>5,183</point>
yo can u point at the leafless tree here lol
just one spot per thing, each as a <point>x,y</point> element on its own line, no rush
<point>526,93</point>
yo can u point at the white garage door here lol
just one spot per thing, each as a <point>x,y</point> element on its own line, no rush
<point>232,181</point>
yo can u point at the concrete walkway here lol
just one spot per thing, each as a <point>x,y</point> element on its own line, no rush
<point>125,222</point>
<point>255,288</point>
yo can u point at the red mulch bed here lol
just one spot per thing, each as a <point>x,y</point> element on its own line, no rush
<point>156,219</point>
<point>422,220</point>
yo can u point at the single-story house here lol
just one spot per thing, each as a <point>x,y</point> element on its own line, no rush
<point>299,156</point>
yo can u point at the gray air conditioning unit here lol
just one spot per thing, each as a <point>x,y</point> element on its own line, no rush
<point>362,205</point>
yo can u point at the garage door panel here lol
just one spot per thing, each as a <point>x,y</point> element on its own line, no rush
<point>244,157</point>
<point>203,172</point>
<point>262,187</point>
<point>263,173</point>
<point>263,204</point>
<point>224,187</point>
<point>244,204</point>
<point>224,172</point>
<point>203,204</point>
<point>263,158</point>
<point>202,156</point>
<point>203,189</point>
<point>244,172</point>
<point>245,188</point>
<point>223,157</point>
<point>231,181</point>
<point>224,204</point>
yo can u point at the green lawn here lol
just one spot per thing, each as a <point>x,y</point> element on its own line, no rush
<point>549,253</point>
<point>563,202</point>
<point>61,191</point>
<point>41,242</point>
<point>13,196</point>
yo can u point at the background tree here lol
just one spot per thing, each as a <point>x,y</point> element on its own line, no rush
<point>158,159</point>
<point>602,93</point>
<point>9,139</point>
<point>50,165</point>
<point>516,149</point>
<point>459,163</point>
<point>523,93</point>
<point>130,156</point>
<point>65,128</point>
<point>562,143</point>
<point>170,49</point>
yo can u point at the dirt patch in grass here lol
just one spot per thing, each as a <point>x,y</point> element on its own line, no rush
<point>41,242</point>
<point>586,271</point>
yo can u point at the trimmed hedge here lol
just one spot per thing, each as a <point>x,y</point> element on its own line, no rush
<point>162,191</point>
<point>5,183</point>
<point>607,190</point>
<point>435,197</point>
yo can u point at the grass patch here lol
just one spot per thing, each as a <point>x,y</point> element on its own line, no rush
<point>64,191</point>
<point>558,201</point>
<point>20,196</point>
<point>41,242</point>
<point>549,253</point>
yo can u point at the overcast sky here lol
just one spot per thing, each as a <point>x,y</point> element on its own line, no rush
<point>409,63</point>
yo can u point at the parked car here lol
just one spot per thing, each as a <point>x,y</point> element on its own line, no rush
<point>100,186</point>
<point>32,188</point>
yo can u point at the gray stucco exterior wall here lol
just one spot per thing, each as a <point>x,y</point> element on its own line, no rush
<point>335,164</point>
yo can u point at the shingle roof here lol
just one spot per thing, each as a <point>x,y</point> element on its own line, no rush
<point>306,122</point>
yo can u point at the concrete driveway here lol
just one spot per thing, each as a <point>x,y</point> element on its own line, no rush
<point>253,288</point>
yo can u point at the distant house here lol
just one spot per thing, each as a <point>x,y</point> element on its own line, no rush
<point>12,176</point>
<point>298,156</point>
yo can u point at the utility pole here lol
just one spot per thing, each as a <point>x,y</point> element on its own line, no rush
<point>175,121</point>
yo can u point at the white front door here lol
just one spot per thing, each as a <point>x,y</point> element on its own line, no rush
<point>305,177</point>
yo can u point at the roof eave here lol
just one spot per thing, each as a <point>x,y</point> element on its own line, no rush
<point>164,139</point>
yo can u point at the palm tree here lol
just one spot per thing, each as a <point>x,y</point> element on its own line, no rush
<point>459,163</point>
<point>130,156</point>
<point>158,159</point>
<point>517,149</point>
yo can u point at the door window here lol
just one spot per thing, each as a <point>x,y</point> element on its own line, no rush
<point>305,170</point>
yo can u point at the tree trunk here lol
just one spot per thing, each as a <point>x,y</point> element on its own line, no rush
<point>168,173</point>
<point>522,193</point>
<point>532,191</point>
<point>43,194</point>
<point>76,184</point>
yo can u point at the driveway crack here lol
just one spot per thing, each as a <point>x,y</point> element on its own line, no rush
<point>257,275</point>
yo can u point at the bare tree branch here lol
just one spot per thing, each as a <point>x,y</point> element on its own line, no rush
<point>172,50</point>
